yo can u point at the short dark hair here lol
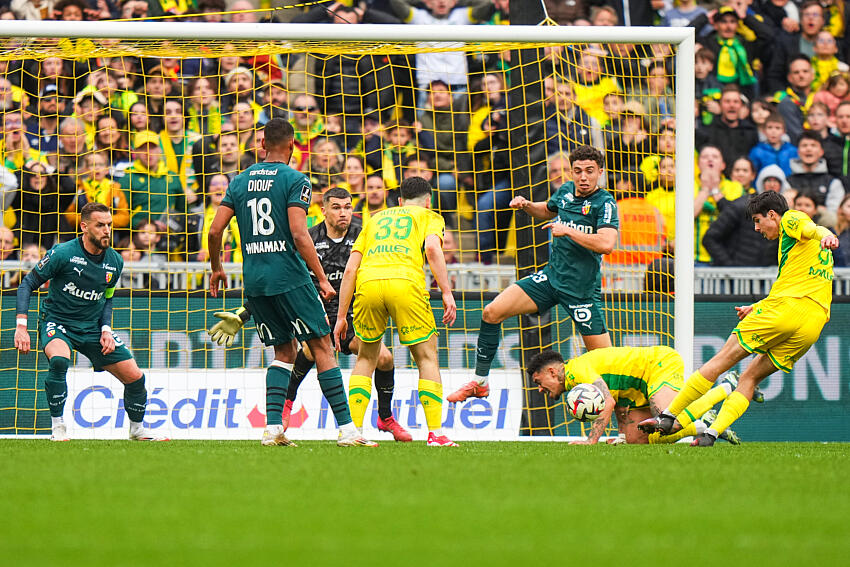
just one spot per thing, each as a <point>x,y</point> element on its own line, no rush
<point>762,203</point>
<point>278,132</point>
<point>776,118</point>
<point>414,187</point>
<point>583,153</point>
<point>543,359</point>
<point>335,193</point>
<point>798,57</point>
<point>810,135</point>
<point>730,88</point>
<point>91,208</point>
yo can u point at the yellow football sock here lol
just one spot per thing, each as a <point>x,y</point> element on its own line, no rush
<point>658,439</point>
<point>359,394</point>
<point>695,387</point>
<point>696,410</point>
<point>733,408</point>
<point>431,398</point>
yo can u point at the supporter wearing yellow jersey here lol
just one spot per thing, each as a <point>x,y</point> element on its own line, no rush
<point>636,382</point>
<point>779,329</point>
<point>386,264</point>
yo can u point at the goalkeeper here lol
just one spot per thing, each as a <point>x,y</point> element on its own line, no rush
<point>333,240</point>
<point>637,382</point>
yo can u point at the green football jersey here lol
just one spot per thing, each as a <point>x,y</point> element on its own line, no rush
<point>573,268</point>
<point>261,196</point>
<point>79,284</point>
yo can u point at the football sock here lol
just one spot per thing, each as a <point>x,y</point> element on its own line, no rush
<point>695,387</point>
<point>488,343</point>
<point>135,399</point>
<point>431,398</point>
<point>330,381</point>
<point>688,430</point>
<point>385,384</point>
<point>56,386</point>
<point>696,410</point>
<point>733,408</point>
<point>359,394</point>
<point>54,421</point>
<point>277,384</point>
<point>299,371</point>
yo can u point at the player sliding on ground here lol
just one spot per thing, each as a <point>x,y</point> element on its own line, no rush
<point>636,382</point>
<point>333,239</point>
<point>77,315</point>
<point>386,264</point>
<point>584,227</point>
<point>779,329</point>
<point>270,201</point>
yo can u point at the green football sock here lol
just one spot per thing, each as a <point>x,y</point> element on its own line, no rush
<point>135,399</point>
<point>330,381</point>
<point>277,384</point>
<point>56,386</point>
<point>385,384</point>
<point>488,343</point>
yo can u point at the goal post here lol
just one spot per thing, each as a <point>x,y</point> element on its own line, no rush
<point>518,244</point>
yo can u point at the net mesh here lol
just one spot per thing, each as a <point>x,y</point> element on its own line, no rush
<point>155,129</point>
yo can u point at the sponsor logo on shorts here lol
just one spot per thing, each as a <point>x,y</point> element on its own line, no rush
<point>407,329</point>
<point>756,338</point>
<point>821,273</point>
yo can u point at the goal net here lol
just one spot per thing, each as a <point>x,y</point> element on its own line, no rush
<point>154,118</point>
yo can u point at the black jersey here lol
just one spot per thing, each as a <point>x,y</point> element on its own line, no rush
<point>334,257</point>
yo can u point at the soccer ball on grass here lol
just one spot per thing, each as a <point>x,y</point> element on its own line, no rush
<point>585,402</point>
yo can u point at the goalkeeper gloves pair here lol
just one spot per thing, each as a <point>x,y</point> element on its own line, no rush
<point>223,332</point>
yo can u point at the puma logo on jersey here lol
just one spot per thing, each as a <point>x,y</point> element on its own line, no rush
<point>72,289</point>
<point>78,270</point>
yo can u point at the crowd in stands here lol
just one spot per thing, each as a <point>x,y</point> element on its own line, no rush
<point>158,139</point>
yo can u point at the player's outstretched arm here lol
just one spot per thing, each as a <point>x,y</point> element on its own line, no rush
<point>434,253</point>
<point>30,283</point>
<point>224,332</point>
<point>219,223</point>
<point>600,424</point>
<point>304,244</point>
<point>346,292</point>
<point>538,210</point>
<point>602,242</point>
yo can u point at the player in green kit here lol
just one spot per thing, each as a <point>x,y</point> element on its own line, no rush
<point>77,315</point>
<point>270,201</point>
<point>584,227</point>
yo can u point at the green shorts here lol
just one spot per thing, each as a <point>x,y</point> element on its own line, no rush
<point>298,313</point>
<point>86,343</point>
<point>585,311</point>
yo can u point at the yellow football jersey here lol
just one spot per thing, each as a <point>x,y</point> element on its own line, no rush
<point>805,270</point>
<point>393,243</point>
<point>632,374</point>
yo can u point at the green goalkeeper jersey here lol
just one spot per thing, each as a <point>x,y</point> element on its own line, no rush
<point>572,268</point>
<point>261,196</point>
<point>80,284</point>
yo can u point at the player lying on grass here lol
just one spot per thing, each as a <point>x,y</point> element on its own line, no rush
<point>333,239</point>
<point>779,329</point>
<point>386,264</point>
<point>270,201</point>
<point>584,227</point>
<point>636,382</point>
<point>77,315</point>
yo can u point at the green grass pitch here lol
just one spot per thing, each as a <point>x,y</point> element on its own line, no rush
<point>238,504</point>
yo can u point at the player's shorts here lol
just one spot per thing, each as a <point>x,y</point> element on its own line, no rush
<point>298,313</point>
<point>585,311</point>
<point>405,301</point>
<point>86,343</point>
<point>784,328</point>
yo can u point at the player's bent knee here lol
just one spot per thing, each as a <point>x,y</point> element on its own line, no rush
<point>492,315</point>
<point>59,365</point>
<point>385,360</point>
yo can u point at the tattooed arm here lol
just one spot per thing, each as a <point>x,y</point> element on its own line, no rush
<point>598,426</point>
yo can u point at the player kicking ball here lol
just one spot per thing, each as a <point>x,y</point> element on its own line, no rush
<point>77,315</point>
<point>270,201</point>
<point>779,329</point>
<point>386,265</point>
<point>584,226</point>
<point>636,382</point>
<point>333,239</point>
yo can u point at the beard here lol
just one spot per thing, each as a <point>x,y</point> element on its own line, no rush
<point>99,243</point>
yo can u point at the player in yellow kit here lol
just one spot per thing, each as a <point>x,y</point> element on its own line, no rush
<point>779,329</point>
<point>636,382</point>
<point>386,264</point>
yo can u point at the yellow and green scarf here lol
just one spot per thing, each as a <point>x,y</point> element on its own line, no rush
<point>732,63</point>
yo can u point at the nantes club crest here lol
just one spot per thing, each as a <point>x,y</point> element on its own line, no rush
<point>108,277</point>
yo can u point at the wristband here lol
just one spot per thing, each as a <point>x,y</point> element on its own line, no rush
<point>21,321</point>
<point>106,329</point>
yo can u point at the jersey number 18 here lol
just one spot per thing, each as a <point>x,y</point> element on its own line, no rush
<point>261,220</point>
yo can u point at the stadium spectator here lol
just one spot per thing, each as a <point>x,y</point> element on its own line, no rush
<point>215,190</point>
<point>95,186</point>
<point>176,143</point>
<point>834,91</point>
<point>138,118</point>
<point>558,170</point>
<point>744,172</point>
<point>204,115</point>
<point>33,9</point>
<point>42,128</point>
<point>308,124</point>
<point>14,147</point>
<point>71,10</point>
<point>30,254</point>
<point>239,87</point>
<point>772,178</point>
<point>727,130</point>
<point>713,193</point>
<point>401,142</point>
<point>665,145</point>
<point>7,96</point>
<point>567,125</point>
<point>38,204</point>
<point>8,249</point>
<point>590,86</point>
<point>773,150</point>
<point>838,154</point>
<point>244,123</point>
<point>782,14</point>
<point>210,10</point>
<point>788,45</point>
<point>154,192</point>
<point>657,97</point>
<point>72,149</point>
<point>682,13</point>
<point>88,105</point>
<point>565,13</point>
<point>154,90</point>
<point>354,178</point>
<point>627,144</point>
<point>227,158</point>
<point>842,229</point>
<point>760,109</point>
<point>707,88</point>
<point>809,173</point>
<point>377,198</point>
<point>111,138</point>
<point>825,63</point>
<point>326,162</point>
<point>119,70</point>
<point>797,97</point>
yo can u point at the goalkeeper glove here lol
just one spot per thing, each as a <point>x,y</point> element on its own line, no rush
<point>223,332</point>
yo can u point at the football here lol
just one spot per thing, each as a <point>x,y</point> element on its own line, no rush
<point>585,402</point>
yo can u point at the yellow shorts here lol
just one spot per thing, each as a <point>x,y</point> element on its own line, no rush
<point>405,301</point>
<point>784,328</point>
<point>667,369</point>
